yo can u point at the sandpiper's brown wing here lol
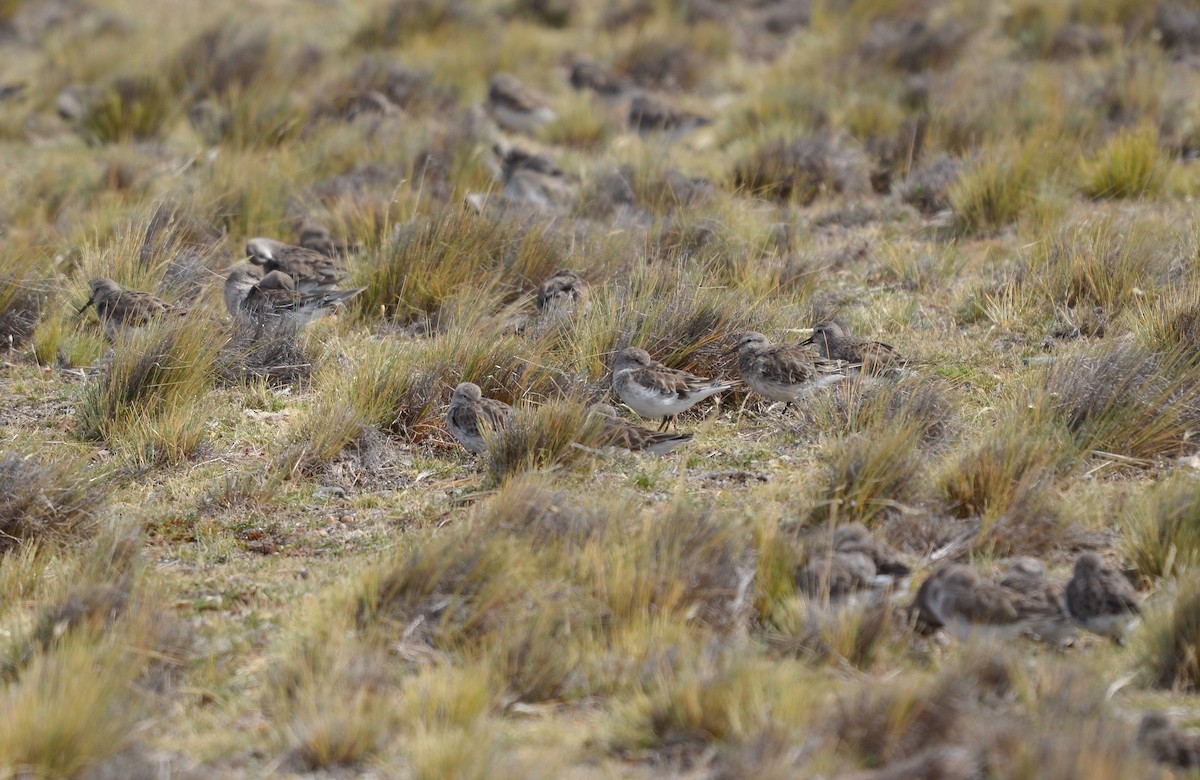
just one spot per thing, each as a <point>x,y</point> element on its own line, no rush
<point>494,414</point>
<point>986,603</point>
<point>615,432</point>
<point>131,307</point>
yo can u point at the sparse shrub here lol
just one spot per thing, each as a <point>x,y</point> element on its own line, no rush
<point>995,188</point>
<point>1169,652</point>
<point>1128,166</point>
<point>255,118</point>
<point>913,44</point>
<point>275,354</point>
<point>129,108</point>
<point>660,62</point>
<point>928,187</point>
<point>870,475</point>
<point>849,635</point>
<point>533,653</point>
<point>1162,528</point>
<point>42,503</point>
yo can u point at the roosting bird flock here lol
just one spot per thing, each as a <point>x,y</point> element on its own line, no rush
<point>300,283</point>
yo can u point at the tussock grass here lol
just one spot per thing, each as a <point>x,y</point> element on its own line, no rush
<point>1167,656</point>
<point>678,561</point>
<point>800,170</point>
<point>1124,400</point>
<point>1128,166</point>
<point>128,108</point>
<point>43,503</point>
<point>1162,528</point>
<point>545,438</point>
<point>927,405</point>
<point>432,259</point>
<point>152,390</point>
<point>996,187</point>
<point>853,635</point>
<point>275,355</point>
<point>24,291</point>
<point>870,476</point>
<point>1103,262</point>
<point>445,595</point>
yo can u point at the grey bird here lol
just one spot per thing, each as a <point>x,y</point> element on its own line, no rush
<point>1166,743</point>
<point>274,297</point>
<point>855,538</point>
<point>852,562</point>
<point>648,113</point>
<point>783,372</point>
<point>614,432</point>
<point>1100,599</point>
<point>471,415</point>
<point>657,392</point>
<point>1042,601</point>
<point>870,357</point>
<point>955,596</point>
<point>120,310</point>
<point>515,107</point>
<point>319,239</point>
<point>309,269</point>
<point>563,292</point>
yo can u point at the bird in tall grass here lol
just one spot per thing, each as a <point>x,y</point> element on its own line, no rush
<point>121,310</point>
<point>1100,599</point>
<point>471,415</point>
<point>273,298</point>
<point>515,107</point>
<point>871,357</point>
<point>614,432</point>
<point>311,270</point>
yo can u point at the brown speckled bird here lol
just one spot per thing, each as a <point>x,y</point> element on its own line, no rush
<point>871,357</point>
<point>783,372</point>
<point>121,310</point>
<point>655,391</point>
<point>614,432</point>
<point>470,415</point>
<point>309,269</point>
<point>1100,599</point>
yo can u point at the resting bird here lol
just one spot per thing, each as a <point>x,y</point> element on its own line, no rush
<point>783,372</point>
<point>1100,599</point>
<point>872,357</point>
<point>615,432</point>
<point>120,310</point>
<point>470,415</point>
<point>564,291</point>
<point>274,297</point>
<point>309,269</point>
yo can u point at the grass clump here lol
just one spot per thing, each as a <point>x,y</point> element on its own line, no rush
<point>128,109</point>
<point>1124,401</point>
<point>24,291</point>
<point>801,170</point>
<point>152,390</point>
<point>870,476</point>
<point>1128,166</point>
<point>995,189</point>
<point>1162,528</point>
<point>1168,656</point>
<point>540,439</point>
<point>44,502</point>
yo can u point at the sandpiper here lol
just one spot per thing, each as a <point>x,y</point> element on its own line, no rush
<point>965,603</point>
<point>855,538</point>
<point>1041,601</point>
<point>470,415</point>
<point>782,372</point>
<point>1167,743</point>
<point>120,310</point>
<point>274,297</point>
<point>309,269</point>
<point>591,75</point>
<point>1100,599</point>
<point>617,433</point>
<point>515,107</point>
<point>655,391</point>
<point>870,357</point>
<point>648,113</point>
<point>563,292</point>
<point>837,575</point>
<point>319,239</point>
